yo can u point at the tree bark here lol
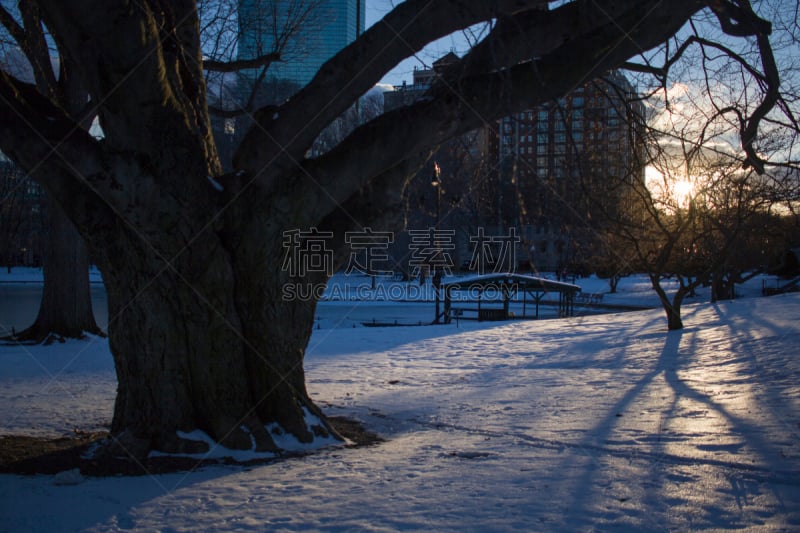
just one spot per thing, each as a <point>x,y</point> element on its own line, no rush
<point>207,342</point>
<point>66,306</point>
<point>674,321</point>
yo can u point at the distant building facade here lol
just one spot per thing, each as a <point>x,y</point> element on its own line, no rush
<point>407,94</point>
<point>546,172</point>
<point>309,33</point>
<point>563,165</point>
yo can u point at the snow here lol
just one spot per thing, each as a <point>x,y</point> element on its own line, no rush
<point>283,440</point>
<point>596,422</point>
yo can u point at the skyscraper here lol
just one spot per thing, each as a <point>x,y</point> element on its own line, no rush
<point>309,32</point>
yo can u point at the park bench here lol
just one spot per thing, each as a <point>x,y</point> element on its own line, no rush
<point>589,297</point>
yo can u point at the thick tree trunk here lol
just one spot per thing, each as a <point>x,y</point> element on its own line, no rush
<point>201,345</point>
<point>613,282</point>
<point>66,306</point>
<point>671,307</point>
<point>674,321</point>
<point>722,287</point>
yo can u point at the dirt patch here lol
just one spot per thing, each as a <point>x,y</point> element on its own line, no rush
<point>35,455</point>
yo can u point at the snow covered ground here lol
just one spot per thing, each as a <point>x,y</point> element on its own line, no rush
<point>597,422</point>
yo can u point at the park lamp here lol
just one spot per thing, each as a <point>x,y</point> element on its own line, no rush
<point>437,171</point>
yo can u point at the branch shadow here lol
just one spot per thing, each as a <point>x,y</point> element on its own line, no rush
<point>677,360</point>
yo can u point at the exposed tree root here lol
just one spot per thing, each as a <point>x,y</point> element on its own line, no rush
<point>35,335</point>
<point>31,455</point>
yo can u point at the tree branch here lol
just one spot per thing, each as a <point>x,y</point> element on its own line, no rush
<point>227,113</point>
<point>385,141</point>
<point>36,133</point>
<point>739,20</point>
<point>31,41</point>
<point>355,70</point>
<point>143,71</point>
<point>241,64</point>
<point>16,31</point>
<point>36,48</point>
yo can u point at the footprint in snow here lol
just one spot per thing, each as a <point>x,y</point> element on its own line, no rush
<point>469,455</point>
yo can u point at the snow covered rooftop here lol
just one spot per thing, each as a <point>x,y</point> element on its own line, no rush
<point>509,279</point>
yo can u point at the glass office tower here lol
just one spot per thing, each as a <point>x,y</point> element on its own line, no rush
<point>313,31</point>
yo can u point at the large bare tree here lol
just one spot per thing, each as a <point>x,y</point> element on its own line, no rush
<point>66,306</point>
<point>192,258</point>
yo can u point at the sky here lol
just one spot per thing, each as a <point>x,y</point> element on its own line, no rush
<point>376,9</point>
<point>592,423</point>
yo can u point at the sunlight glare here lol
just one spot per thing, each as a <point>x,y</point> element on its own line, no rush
<point>682,192</point>
<point>672,191</point>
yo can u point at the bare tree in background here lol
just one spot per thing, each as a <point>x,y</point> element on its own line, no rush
<point>12,212</point>
<point>691,227</point>
<point>66,306</point>
<point>691,218</point>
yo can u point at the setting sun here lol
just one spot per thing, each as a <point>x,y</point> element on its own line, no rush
<point>682,192</point>
<point>673,191</point>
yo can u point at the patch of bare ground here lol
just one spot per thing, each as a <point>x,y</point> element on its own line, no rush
<point>36,455</point>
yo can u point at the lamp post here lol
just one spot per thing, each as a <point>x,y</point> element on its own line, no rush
<point>437,184</point>
<point>437,276</point>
